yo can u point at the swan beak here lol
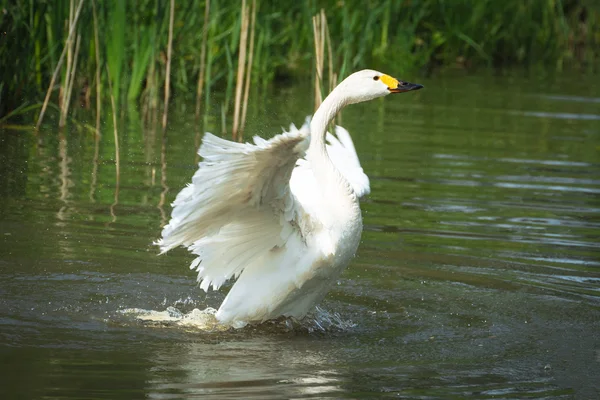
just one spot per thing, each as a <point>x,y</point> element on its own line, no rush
<point>402,87</point>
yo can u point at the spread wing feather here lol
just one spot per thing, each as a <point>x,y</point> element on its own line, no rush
<point>238,205</point>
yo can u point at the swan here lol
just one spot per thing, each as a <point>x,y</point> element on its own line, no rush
<point>280,215</point>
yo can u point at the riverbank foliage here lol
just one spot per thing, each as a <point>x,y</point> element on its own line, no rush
<point>127,41</point>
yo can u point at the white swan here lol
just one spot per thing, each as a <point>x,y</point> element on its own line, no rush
<point>280,215</point>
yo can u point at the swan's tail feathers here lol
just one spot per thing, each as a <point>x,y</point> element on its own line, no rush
<point>343,155</point>
<point>232,180</point>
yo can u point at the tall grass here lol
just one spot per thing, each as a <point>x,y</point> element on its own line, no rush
<point>115,42</point>
<point>133,41</point>
<point>72,25</point>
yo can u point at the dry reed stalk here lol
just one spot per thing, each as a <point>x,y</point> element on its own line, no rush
<point>202,59</point>
<point>318,34</point>
<point>69,44</point>
<point>321,35</point>
<point>248,70</point>
<point>332,75</point>
<point>332,82</point>
<point>240,71</point>
<point>58,65</point>
<point>168,67</point>
<point>338,118</point>
<point>98,83</point>
<point>317,93</point>
<point>69,89</point>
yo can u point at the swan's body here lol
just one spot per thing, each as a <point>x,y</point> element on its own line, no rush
<point>280,215</point>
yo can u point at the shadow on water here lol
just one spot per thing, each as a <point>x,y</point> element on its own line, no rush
<point>477,277</point>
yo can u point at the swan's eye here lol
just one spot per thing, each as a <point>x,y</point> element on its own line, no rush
<point>375,78</point>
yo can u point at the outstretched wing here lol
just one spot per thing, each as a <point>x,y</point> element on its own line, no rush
<point>343,155</point>
<point>238,206</point>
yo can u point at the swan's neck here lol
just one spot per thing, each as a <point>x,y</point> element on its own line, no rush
<point>321,120</point>
<point>339,202</point>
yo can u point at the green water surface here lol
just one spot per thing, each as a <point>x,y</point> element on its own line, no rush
<point>478,275</point>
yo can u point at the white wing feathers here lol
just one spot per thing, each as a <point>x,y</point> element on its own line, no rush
<point>343,155</point>
<point>233,175</point>
<point>237,246</point>
<point>239,210</point>
<point>238,204</point>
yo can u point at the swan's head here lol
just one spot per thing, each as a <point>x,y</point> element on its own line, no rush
<point>369,84</point>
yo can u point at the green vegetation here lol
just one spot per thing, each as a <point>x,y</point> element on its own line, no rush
<point>400,35</point>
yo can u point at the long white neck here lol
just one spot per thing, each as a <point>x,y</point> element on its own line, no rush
<point>322,118</point>
<point>337,195</point>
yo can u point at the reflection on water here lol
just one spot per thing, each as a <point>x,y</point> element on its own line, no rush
<point>265,367</point>
<point>569,116</point>
<point>477,276</point>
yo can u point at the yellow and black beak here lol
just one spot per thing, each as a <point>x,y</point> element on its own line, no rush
<point>396,86</point>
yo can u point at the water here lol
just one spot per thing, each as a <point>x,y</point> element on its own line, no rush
<point>478,275</point>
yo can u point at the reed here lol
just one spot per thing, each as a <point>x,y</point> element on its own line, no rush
<point>318,34</point>
<point>168,66</point>
<point>58,65</point>
<point>427,34</point>
<point>241,66</point>
<point>248,69</point>
<point>333,76</point>
<point>115,128</point>
<point>115,43</point>
<point>117,152</point>
<point>70,79</point>
<point>202,58</point>
<point>98,82</point>
<point>321,37</point>
<point>143,50</point>
<point>66,77</point>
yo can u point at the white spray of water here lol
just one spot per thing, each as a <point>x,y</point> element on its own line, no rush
<point>205,320</point>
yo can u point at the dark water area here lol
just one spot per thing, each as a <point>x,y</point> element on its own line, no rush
<point>478,275</point>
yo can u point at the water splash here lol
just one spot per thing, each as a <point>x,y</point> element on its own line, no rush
<point>204,320</point>
<point>317,321</point>
<point>325,321</point>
